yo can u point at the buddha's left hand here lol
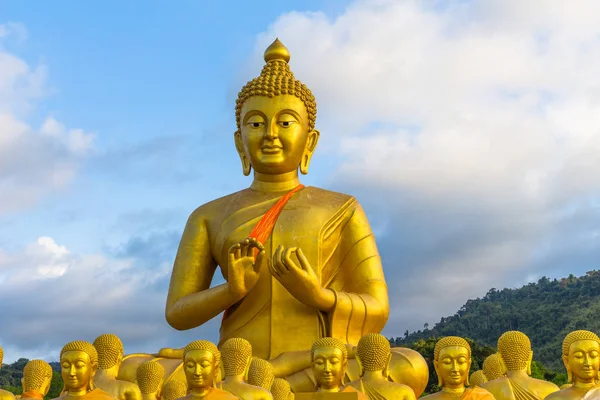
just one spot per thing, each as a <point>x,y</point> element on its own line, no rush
<point>298,277</point>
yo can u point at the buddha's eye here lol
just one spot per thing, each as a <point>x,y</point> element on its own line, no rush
<point>66,365</point>
<point>80,365</point>
<point>286,120</point>
<point>593,354</point>
<point>191,365</point>
<point>578,354</point>
<point>462,360</point>
<point>286,124</point>
<point>256,124</point>
<point>447,361</point>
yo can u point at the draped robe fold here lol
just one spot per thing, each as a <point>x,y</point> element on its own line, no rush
<point>334,234</point>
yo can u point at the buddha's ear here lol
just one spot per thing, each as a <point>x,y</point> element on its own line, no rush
<point>247,372</point>
<point>45,388</point>
<point>361,371</point>
<point>467,382</point>
<point>386,370</point>
<point>502,363</point>
<point>437,372</point>
<point>529,363</point>
<point>309,149</point>
<point>565,360</point>
<point>239,146</point>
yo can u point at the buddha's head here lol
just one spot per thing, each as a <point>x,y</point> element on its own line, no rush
<point>78,362</point>
<point>275,116</point>
<point>373,354</point>
<point>150,376</point>
<point>329,358</point>
<point>261,373</point>
<point>580,351</point>
<point>452,362</point>
<point>110,351</point>
<point>477,378</point>
<point>493,368</point>
<point>173,390</point>
<point>37,376</point>
<point>281,390</point>
<point>515,351</point>
<point>236,354</point>
<point>201,362</point>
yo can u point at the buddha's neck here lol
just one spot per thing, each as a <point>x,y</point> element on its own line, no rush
<point>585,384</point>
<point>334,389</point>
<point>77,392</point>
<point>201,392</point>
<point>106,374</point>
<point>372,375</point>
<point>455,391</point>
<point>517,374</point>
<point>275,183</point>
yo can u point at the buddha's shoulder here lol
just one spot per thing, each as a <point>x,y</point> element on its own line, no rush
<point>98,394</point>
<point>496,384</point>
<point>545,384</point>
<point>6,395</point>
<point>219,394</point>
<point>481,393</point>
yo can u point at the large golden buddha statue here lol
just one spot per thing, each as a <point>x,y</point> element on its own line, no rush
<point>79,362</point>
<point>452,362</point>
<point>4,394</point>
<point>514,349</point>
<point>581,356</point>
<point>37,376</point>
<point>493,367</point>
<point>110,355</point>
<point>301,263</point>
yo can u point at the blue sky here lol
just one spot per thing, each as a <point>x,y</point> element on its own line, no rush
<point>116,121</point>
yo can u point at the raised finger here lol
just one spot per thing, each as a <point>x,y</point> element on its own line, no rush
<point>304,264</point>
<point>259,259</point>
<point>287,258</point>
<point>235,250</point>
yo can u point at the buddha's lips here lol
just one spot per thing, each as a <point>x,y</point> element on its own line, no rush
<point>271,149</point>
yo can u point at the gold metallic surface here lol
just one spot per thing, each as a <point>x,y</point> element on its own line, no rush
<point>201,362</point>
<point>150,379</point>
<point>4,394</point>
<point>580,355</point>
<point>493,367</point>
<point>110,356</point>
<point>37,376</point>
<point>321,274</point>
<point>174,390</point>
<point>514,350</point>
<point>261,373</point>
<point>477,378</point>
<point>236,354</point>
<point>452,361</point>
<point>373,356</point>
<point>79,362</point>
<point>281,390</point>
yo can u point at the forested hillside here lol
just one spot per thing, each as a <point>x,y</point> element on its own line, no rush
<point>546,311</point>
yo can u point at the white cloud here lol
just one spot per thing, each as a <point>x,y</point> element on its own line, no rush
<point>33,161</point>
<point>477,127</point>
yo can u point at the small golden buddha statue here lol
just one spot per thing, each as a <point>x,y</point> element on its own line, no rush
<point>37,376</point>
<point>452,362</point>
<point>110,355</point>
<point>79,362</point>
<point>261,373</point>
<point>236,356</point>
<point>493,367</point>
<point>4,394</point>
<point>514,350</point>
<point>281,390</point>
<point>581,357</point>
<point>202,362</point>
<point>150,380</point>
<point>325,276</point>
<point>373,356</point>
<point>173,390</point>
<point>329,361</point>
<point>477,378</point>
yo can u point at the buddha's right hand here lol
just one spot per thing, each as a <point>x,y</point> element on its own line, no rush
<point>243,269</point>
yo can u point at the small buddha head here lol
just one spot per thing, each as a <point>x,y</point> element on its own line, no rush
<point>452,361</point>
<point>477,378</point>
<point>150,377</point>
<point>261,373</point>
<point>580,354</point>
<point>275,116</point>
<point>493,368</point>
<point>373,354</point>
<point>201,362</point>
<point>37,376</point>
<point>281,389</point>
<point>236,354</point>
<point>110,351</point>
<point>329,358</point>
<point>515,352</point>
<point>78,362</point>
<point>173,390</point>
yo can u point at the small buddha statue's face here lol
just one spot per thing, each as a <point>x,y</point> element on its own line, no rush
<point>275,133</point>
<point>453,366</point>
<point>583,360</point>
<point>329,366</point>
<point>200,369</point>
<point>77,370</point>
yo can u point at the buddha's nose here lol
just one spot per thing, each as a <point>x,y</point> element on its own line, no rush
<point>271,131</point>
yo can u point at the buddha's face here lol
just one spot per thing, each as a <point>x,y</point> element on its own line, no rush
<point>200,369</point>
<point>453,366</point>
<point>77,370</point>
<point>583,360</point>
<point>329,365</point>
<point>275,134</point>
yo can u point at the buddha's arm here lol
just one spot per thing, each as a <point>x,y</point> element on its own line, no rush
<point>191,301</point>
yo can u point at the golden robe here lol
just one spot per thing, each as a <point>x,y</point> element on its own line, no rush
<point>6,395</point>
<point>96,394</point>
<point>475,393</point>
<point>334,234</point>
<point>506,388</point>
<point>214,394</point>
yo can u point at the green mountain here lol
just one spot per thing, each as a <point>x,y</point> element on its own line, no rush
<point>546,311</point>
